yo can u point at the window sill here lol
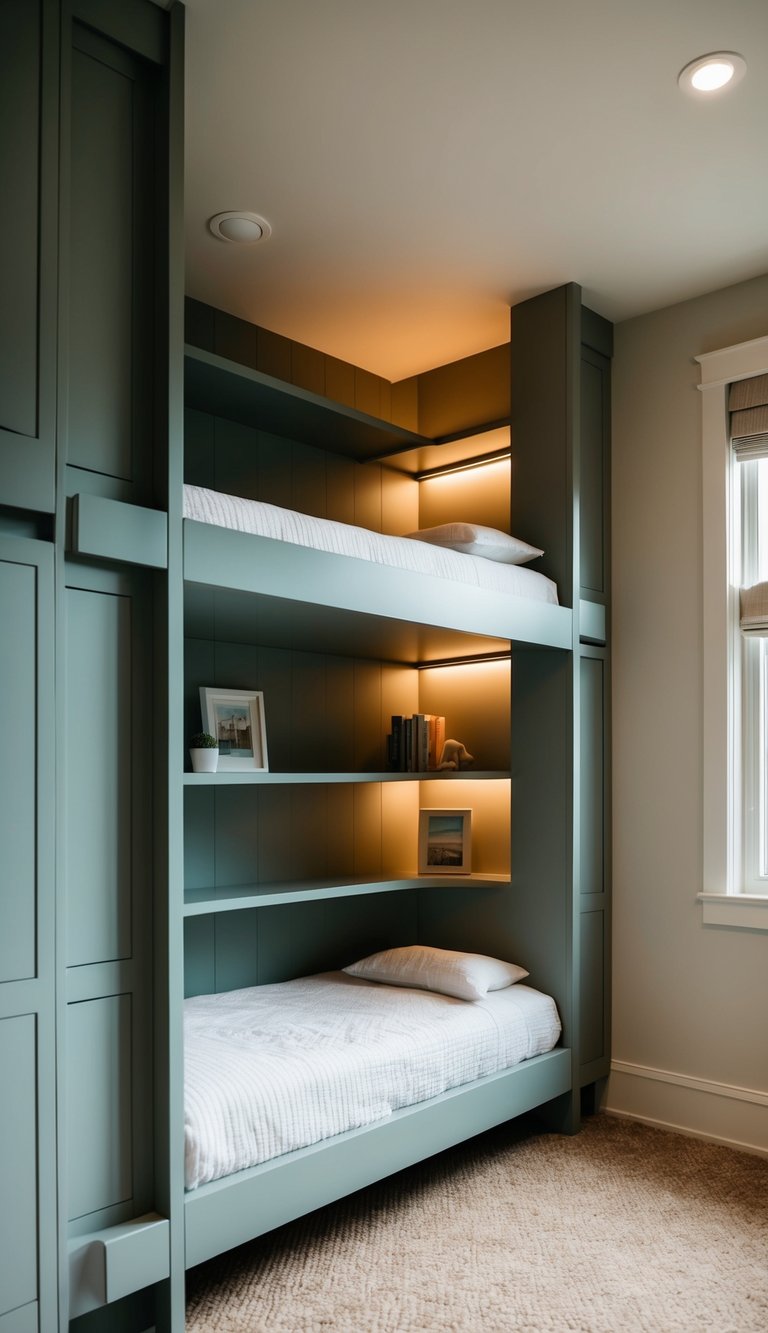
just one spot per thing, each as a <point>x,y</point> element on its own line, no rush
<point>744,911</point>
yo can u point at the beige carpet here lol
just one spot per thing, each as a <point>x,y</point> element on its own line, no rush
<point>621,1227</point>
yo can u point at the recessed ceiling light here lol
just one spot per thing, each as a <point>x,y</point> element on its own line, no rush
<point>712,73</point>
<point>242,228</point>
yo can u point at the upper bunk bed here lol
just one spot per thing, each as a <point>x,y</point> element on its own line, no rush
<point>316,586</point>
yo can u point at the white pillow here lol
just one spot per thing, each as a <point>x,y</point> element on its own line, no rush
<point>467,976</point>
<point>474,539</point>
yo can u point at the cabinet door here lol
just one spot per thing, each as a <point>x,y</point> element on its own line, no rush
<point>106,894</point>
<point>27,1053</point>
<point>108,416</point>
<point>29,81</point>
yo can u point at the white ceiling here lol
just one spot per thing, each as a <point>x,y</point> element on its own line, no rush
<point>425,164</point>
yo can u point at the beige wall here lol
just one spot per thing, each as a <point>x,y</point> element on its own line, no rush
<point>688,1000</point>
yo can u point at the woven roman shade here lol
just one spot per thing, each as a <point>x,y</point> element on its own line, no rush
<point>753,617</point>
<point>748,408</point>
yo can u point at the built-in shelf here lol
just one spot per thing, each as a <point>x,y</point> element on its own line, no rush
<point>226,389</point>
<point>202,902</point>
<point>302,779</point>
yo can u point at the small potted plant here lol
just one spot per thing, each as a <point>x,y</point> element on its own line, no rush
<point>204,753</point>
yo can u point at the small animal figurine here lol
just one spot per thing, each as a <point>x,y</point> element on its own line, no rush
<point>455,755</point>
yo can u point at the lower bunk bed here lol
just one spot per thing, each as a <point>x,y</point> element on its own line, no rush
<point>300,1092</point>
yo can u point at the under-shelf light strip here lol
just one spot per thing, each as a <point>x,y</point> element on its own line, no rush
<point>463,661</point>
<point>496,457</point>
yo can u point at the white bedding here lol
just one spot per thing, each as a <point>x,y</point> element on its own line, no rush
<point>278,1067</point>
<point>323,534</point>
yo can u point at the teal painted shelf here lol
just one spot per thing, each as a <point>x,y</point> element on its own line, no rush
<point>302,779</point>
<point>202,902</point>
<point>226,389</point>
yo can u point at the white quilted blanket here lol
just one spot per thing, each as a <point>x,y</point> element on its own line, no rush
<point>278,1067</point>
<point>324,534</point>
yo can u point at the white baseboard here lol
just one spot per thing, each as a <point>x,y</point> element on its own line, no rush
<point>718,1112</point>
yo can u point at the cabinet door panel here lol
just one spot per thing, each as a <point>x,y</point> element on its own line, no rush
<point>18,1171</point>
<point>99,808</point>
<point>592,496</point>
<point>99,1120</point>
<point>28,170</point>
<point>109,401</point>
<point>20,24</point>
<point>592,987</point>
<point>592,776</point>
<point>18,788</point>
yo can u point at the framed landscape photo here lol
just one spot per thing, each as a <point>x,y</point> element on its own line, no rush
<point>445,842</point>
<point>236,719</point>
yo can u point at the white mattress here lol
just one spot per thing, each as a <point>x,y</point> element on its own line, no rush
<point>274,1068</point>
<point>323,534</point>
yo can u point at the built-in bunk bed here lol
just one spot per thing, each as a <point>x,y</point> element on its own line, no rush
<point>298,872</point>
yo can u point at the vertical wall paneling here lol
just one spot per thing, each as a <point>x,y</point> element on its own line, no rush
<point>309,490</point>
<point>399,503</point>
<point>236,950</point>
<point>199,956</point>
<point>479,495</point>
<point>400,803</point>
<point>28,1280</point>
<point>465,394</point>
<point>340,381</point>
<point>237,836</point>
<point>28,169</point>
<point>369,725</point>
<point>234,454</point>
<point>367,829</point>
<point>272,815</point>
<point>340,841</point>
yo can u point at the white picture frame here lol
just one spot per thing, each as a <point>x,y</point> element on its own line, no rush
<point>236,719</point>
<point>445,841</point>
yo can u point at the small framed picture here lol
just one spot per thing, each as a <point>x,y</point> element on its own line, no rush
<point>236,719</point>
<point>445,842</point>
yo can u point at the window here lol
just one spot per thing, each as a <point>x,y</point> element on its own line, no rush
<point>735,665</point>
<point>751,522</point>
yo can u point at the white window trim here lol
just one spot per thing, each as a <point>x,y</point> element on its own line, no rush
<point>722,903</point>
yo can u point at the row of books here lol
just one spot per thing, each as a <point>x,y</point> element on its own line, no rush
<point>415,744</point>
